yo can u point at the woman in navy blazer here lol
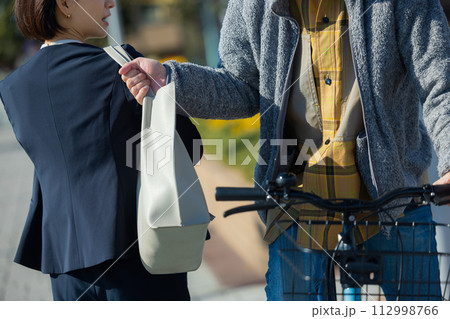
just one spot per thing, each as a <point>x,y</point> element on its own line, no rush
<point>73,115</point>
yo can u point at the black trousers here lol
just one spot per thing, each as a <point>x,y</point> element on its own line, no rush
<point>126,280</point>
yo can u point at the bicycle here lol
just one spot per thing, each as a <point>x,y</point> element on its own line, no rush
<point>362,270</point>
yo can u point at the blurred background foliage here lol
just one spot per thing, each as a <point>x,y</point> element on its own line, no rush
<point>235,152</point>
<point>10,37</point>
<point>184,30</point>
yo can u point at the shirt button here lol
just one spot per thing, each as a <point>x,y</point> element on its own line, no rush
<point>327,142</point>
<point>328,81</point>
<point>325,20</point>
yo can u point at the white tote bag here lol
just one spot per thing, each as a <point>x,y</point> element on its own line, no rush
<point>172,213</point>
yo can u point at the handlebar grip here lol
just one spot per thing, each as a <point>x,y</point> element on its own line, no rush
<point>442,194</point>
<point>239,194</point>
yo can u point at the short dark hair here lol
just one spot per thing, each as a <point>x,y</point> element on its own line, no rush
<point>37,18</point>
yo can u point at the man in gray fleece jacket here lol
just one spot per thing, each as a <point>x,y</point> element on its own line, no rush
<point>401,55</point>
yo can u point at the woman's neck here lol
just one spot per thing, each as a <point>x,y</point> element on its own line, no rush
<point>65,36</point>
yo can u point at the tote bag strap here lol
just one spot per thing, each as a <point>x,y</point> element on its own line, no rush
<point>118,54</point>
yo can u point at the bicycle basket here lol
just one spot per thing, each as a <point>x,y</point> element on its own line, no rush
<point>404,264</point>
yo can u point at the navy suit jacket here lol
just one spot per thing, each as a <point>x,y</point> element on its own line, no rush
<point>72,114</point>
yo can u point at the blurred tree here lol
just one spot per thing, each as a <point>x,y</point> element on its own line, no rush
<point>11,38</point>
<point>137,14</point>
<point>194,14</point>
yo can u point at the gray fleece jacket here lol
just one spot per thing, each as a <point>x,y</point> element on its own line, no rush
<point>401,53</point>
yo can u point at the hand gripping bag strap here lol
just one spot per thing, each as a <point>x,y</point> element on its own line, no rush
<point>118,54</point>
<point>172,211</point>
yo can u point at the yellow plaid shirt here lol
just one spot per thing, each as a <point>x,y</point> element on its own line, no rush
<point>331,172</point>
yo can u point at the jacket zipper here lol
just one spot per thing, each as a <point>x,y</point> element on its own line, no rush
<point>282,115</point>
<point>372,174</point>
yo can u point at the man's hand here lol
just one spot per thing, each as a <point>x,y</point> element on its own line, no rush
<point>443,180</point>
<point>141,74</point>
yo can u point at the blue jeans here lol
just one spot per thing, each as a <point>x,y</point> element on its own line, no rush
<point>296,275</point>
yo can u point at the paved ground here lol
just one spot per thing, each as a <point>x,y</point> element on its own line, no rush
<point>16,282</point>
<point>234,259</point>
<point>236,256</point>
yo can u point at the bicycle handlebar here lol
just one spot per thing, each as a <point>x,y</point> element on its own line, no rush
<point>281,193</point>
<point>437,194</point>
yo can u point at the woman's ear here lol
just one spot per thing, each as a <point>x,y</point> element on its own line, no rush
<point>63,7</point>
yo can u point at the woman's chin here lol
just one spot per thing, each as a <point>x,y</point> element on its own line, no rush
<point>97,36</point>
